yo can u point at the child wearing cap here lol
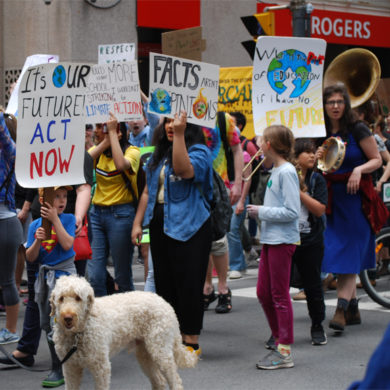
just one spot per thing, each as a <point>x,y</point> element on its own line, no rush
<point>56,258</point>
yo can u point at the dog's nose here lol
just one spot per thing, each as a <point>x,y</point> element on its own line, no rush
<point>68,320</point>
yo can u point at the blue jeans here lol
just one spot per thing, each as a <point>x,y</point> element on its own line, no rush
<point>111,232</point>
<point>236,253</point>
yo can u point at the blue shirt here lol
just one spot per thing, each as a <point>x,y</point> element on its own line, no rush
<point>51,252</point>
<point>7,162</point>
<point>185,209</point>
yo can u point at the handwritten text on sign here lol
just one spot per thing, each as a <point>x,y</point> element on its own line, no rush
<point>177,84</point>
<point>51,130</point>
<point>113,87</point>
<point>116,53</point>
<point>287,85</point>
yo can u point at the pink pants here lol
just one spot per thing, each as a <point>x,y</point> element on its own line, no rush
<point>273,287</point>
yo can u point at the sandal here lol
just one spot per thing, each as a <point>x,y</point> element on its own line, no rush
<point>207,299</point>
<point>224,303</point>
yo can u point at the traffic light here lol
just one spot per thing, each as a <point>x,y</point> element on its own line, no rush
<point>257,25</point>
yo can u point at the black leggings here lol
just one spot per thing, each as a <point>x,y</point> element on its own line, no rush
<point>308,260</point>
<point>180,271</point>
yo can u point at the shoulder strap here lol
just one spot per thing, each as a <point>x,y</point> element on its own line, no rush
<point>312,183</point>
<point>7,183</point>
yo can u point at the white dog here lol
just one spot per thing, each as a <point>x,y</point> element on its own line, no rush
<point>101,327</point>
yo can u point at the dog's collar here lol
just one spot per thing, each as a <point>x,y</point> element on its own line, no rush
<point>73,349</point>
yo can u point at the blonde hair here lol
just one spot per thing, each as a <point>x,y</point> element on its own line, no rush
<point>281,140</point>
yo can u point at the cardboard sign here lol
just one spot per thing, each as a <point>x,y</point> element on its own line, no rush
<point>116,52</point>
<point>113,87</point>
<point>235,94</point>
<point>51,126</point>
<point>287,85</point>
<point>186,43</point>
<point>35,59</point>
<point>177,84</point>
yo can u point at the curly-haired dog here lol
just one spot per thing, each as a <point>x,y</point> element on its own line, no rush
<point>103,326</point>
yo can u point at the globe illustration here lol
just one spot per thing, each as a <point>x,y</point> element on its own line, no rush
<point>59,76</point>
<point>160,102</point>
<point>289,64</point>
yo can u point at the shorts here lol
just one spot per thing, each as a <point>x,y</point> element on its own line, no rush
<point>25,226</point>
<point>219,247</point>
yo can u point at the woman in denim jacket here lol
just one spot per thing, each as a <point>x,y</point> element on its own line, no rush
<point>175,205</point>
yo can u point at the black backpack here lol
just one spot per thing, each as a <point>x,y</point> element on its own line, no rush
<point>220,208</point>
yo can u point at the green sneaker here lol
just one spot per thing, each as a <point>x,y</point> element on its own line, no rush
<point>54,379</point>
<point>275,360</point>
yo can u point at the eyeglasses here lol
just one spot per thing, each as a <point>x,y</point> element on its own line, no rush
<point>335,102</point>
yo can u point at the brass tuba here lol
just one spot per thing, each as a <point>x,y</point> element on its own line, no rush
<point>359,70</point>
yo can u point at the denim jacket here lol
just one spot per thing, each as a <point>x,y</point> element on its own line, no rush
<point>185,209</point>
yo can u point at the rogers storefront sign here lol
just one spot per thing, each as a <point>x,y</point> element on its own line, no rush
<point>351,29</point>
<point>344,28</point>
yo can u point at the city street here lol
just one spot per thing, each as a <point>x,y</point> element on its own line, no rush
<point>233,343</point>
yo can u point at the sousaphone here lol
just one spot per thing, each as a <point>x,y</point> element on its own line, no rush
<point>360,71</point>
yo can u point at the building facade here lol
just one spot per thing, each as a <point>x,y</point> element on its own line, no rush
<point>73,29</point>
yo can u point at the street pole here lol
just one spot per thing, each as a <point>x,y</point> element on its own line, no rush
<point>301,18</point>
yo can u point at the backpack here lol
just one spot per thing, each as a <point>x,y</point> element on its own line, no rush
<point>220,208</point>
<point>312,183</point>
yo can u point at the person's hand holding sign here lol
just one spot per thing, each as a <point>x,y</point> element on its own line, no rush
<point>179,123</point>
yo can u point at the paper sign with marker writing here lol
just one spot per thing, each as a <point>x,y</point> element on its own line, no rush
<point>35,59</point>
<point>287,85</point>
<point>177,84</point>
<point>116,52</point>
<point>113,87</point>
<point>51,125</point>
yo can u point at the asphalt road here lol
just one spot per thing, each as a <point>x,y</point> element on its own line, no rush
<point>233,343</point>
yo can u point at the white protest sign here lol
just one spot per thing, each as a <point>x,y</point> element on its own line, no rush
<point>35,59</point>
<point>51,126</point>
<point>177,84</point>
<point>287,85</point>
<point>113,87</point>
<point>116,52</point>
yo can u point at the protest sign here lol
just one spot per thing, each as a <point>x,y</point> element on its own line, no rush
<point>287,85</point>
<point>185,43</point>
<point>116,52</point>
<point>113,87</point>
<point>235,94</point>
<point>36,59</point>
<point>51,126</point>
<point>177,84</point>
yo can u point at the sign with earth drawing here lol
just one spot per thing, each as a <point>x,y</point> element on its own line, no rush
<point>51,125</point>
<point>287,85</point>
<point>177,84</point>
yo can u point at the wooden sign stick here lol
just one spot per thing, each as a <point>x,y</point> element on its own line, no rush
<point>48,197</point>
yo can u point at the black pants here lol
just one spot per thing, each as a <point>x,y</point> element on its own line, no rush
<point>180,271</point>
<point>308,260</point>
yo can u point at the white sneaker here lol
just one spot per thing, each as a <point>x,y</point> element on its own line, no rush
<point>235,275</point>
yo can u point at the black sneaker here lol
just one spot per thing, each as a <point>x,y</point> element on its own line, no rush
<point>318,336</point>
<point>270,344</point>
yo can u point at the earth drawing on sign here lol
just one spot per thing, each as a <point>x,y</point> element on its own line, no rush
<point>289,65</point>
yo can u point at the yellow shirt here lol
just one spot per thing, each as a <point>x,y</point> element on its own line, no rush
<point>110,186</point>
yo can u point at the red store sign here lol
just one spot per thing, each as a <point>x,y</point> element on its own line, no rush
<point>339,27</point>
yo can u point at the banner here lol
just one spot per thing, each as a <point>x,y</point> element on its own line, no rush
<point>36,59</point>
<point>51,126</point>
<point>235,94</point>
<point>113,87</point>
<point>287,85</point>
<point>116,52</point>
<point>177,84</point>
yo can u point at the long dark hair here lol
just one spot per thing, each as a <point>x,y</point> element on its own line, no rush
<point>349,117</point>
<point>163,147</point>
<point>123,142</point>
